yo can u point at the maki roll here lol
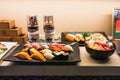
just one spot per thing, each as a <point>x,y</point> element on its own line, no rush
<point>61,55</point>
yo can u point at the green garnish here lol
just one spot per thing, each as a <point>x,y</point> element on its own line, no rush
<point>86,34</point>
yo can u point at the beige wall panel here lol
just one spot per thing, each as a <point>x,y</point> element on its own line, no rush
<point>69,15</point>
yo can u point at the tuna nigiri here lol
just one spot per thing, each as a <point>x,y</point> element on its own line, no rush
<point>27,45</point>
<point>36,46</point>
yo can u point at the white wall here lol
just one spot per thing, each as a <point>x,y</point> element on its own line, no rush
<point>69,15</point>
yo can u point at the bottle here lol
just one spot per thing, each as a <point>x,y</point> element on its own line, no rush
<point>33,28</point>
<point>48,27</point>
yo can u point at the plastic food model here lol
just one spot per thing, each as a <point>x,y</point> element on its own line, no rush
<point>3,48</point>
<point>98,37</point>
<point>78,37</point>
<point>45,52</point>
<point>98,42</point>
<point>23,55</point>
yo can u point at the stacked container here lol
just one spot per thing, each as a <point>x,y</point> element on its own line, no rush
<point>33,28</point>
<point>48,27</point>
<point>11,33</point>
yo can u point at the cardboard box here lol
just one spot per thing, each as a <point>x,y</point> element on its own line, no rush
<point>21,39</point>
<point>15,32</point>
<point>7,24</point>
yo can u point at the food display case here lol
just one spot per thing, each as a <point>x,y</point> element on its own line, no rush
<point>75,56</point>
<point>86,66</point>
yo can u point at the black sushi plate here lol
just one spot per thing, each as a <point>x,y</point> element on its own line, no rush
<point>74,56</point>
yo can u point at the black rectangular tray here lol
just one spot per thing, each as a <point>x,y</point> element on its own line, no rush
<point>74,56</point>
<point>80,43</point>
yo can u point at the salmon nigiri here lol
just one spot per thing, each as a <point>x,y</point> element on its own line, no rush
<point>67,48</point>
<point>23,55</point>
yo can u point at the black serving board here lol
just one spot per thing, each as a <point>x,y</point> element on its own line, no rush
<point>80,43</point>
<point>73,58</point>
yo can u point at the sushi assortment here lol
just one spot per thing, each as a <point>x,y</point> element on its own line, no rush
<point>78,37</point>
<point>98,37</point>
<point>82,37</point>
<point>104,46</point>
<point>45,52</point>
<point>74,38</point>
<point>97,41</point>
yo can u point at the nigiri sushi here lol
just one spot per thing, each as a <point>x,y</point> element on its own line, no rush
<point>54,47</point>
<point>60,46</point>
<point>28,50</point>
<point>38,56</point>
<point>24,50</point>
<point>47,53</point>
<point>23,55</point>
<point>70,37</point>
<point>33,50</point>
<point>49,56</point>
<point>36,46</point>
<point>44,46</point>
<point>27,45</point>
<point>67,48</point>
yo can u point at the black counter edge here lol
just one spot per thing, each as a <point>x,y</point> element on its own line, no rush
<point>59,71</point>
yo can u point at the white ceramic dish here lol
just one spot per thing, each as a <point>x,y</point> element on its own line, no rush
<point>9,46</point>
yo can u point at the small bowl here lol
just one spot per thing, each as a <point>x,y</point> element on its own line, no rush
<point>100,54</point>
